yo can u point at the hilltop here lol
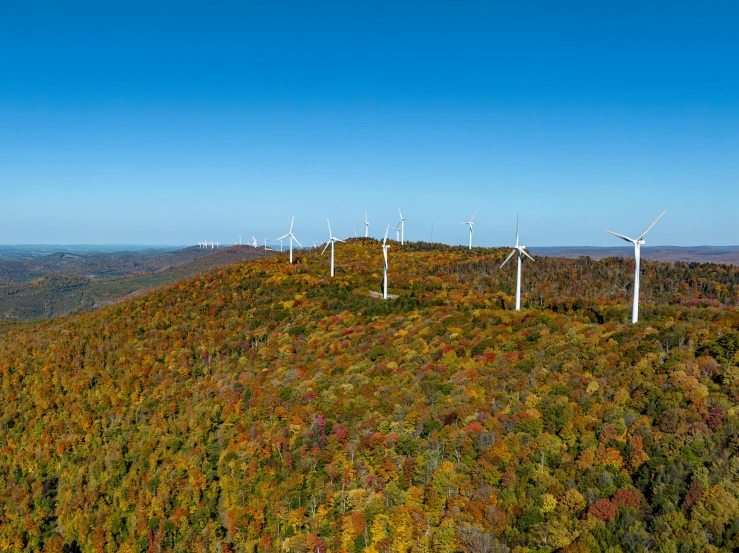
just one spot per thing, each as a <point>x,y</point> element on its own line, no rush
<point>266,407</point>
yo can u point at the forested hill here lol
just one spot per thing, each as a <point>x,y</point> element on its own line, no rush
<point>265,407</point>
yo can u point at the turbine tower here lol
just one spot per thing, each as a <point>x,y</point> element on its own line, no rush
<point>385,247</point>
<point>521,252</point>
<point>470,224</point>
<point>292,237</point>
<point>239,239</point>
<point>254,241</point>
<point>366,225</point>
<point>331,240</point>
<point>637,256</point>
<point>402,227</point>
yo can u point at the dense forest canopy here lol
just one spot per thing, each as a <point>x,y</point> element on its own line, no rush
<point>266,407</point>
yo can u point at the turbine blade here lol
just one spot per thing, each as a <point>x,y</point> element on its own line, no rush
<point>473,216</point>
<point>650,226</point>
<point>283,236</point>
<point>516,229</point>
<point>386,231</point>
<point>326,246</point>
<point>621,236</point>
<point>508,258</point>
<point>338,240</point>
<point>329,228</point>
<point>527,255</point>
<point>291,224</point>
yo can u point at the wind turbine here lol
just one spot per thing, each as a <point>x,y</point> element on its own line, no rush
<point>385,246</point>
<point>470,224</point>
<point>637,255</point>
<point>521,252</point>
<point>239,239</point>
<point>402,227</point>
<point>331,240</point>
<point>397,233</point>
<point>366,225</point>
<point>292,237</point>
<point>265,244</point>
<point>254,241</point>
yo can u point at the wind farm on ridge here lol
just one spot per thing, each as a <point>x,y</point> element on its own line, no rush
<point>518,250</point>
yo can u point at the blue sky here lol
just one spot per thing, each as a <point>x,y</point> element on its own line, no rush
<point>172,122</point>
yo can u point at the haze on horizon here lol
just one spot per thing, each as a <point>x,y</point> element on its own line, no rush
<point>170,123</point>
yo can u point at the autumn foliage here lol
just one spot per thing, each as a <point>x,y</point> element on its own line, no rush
<point>266,407</point>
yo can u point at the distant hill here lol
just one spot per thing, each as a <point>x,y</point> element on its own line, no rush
<point>58,284</point>
<point>19,265</point>
<point>728,255</point>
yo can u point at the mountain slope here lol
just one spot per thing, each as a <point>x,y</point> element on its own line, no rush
<point>99,264</point>
<point>55,294</point>
<point>265,407</point>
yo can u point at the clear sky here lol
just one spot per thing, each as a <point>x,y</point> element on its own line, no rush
<point>171,122</point>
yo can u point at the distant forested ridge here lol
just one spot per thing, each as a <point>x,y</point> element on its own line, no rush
<point>266,407</point>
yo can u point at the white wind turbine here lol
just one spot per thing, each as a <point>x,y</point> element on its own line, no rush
<point>402,227</point>
<point>637,256</point>
<point>366,225</point>
<point>397,233</point>
<point>265,244</point>
<point>385,247</point>
<point>239,239</point>
<point>470,224</point>
<point>331,240</point>
<point>254,242</point>
<point>521,252</point>
<point>292,237</point>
